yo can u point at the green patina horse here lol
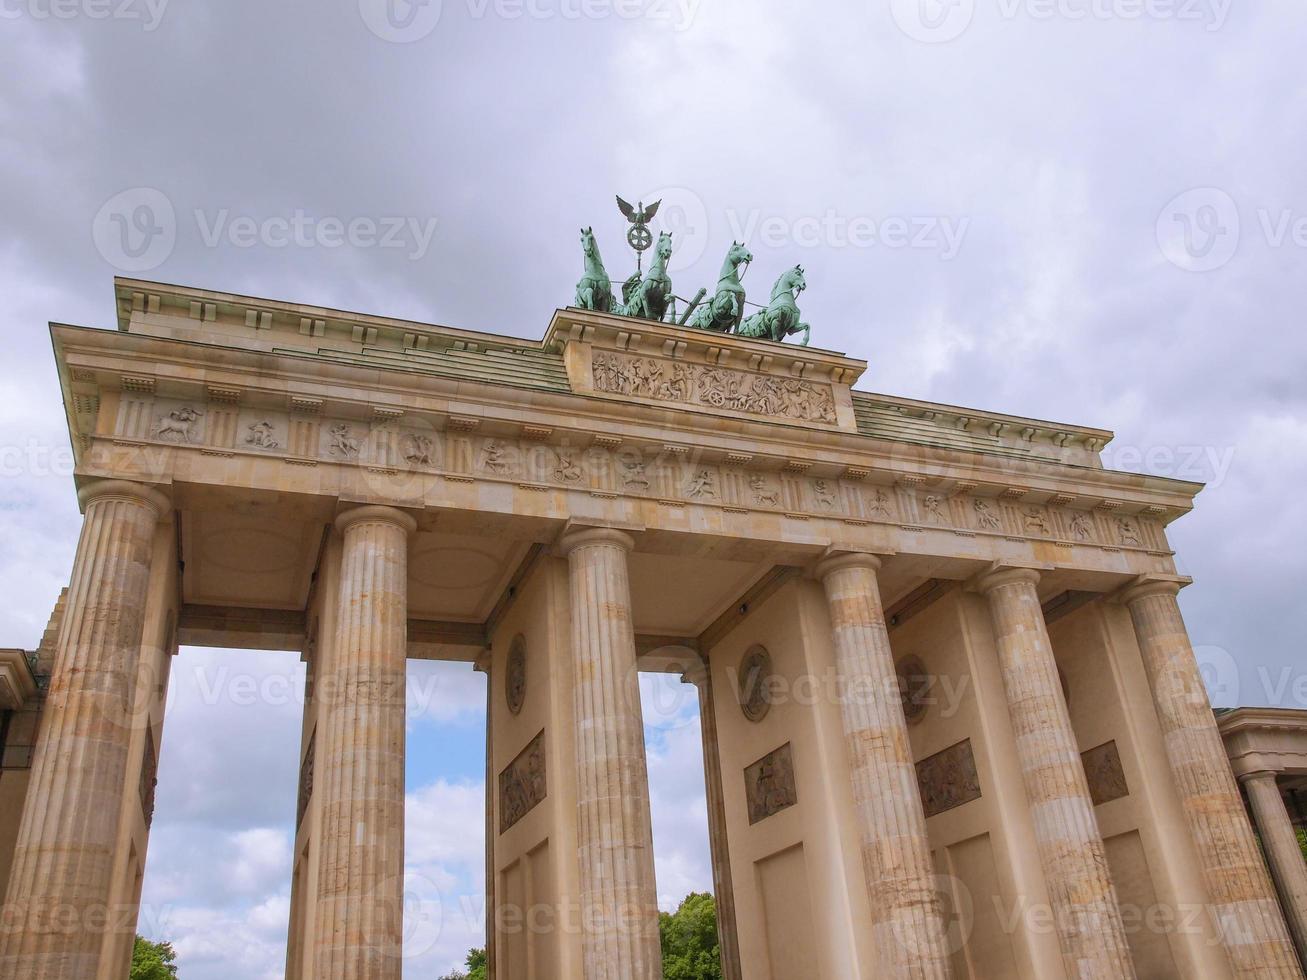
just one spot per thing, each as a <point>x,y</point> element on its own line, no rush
<point>595,290</point>
<point>651,297</point>
<point>781,318</point>
<point>726,310</point>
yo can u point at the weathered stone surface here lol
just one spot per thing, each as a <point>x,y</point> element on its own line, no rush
<point>907,917</point>
<point>1086,915</point>
<point>523,784</point>
<point>1104,773</point>
<point>948,779</point>
<point>769,784</point>
<point>60,899</point>
<point>359,929</point>
<point>619,905</point>
<point>1240,891</point>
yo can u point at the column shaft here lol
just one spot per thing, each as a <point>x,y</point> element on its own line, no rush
<point>1071,850</point>
<point>1282,851</point>
<point>619,907</point>
<point>906,912</point>
<point>360,756</point>
<point>58,906</point>
<point>723,884</point>
<point>1243,899</point>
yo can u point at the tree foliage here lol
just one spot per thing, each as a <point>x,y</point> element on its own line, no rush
<point>689,940</point>
<point>476,967</point>
<point>153,961</point>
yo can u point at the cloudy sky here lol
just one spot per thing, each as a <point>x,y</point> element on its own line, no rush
<point>1082,210</point>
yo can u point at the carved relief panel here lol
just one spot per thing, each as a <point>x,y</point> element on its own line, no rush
<point>522,785</point>
<point>948,779</point>
<point>769,784</point>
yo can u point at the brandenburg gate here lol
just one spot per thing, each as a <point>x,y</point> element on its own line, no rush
<point>952,722</point>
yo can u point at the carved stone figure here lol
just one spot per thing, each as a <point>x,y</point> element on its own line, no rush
<point>523,784</point>
<point>1037,521</point>
<point>985,515</point>
<point>1082,527</point>
<point>633,477</point>
<point>781,319</point>
<point>935,509</point>
<point>770,784</point>
<point>1104,773</point>
<point>178,425</point>
<point>1128,530</point>
<point>418,449</point>
<point>494,457</point>
<point>825,495</point>
<point>880,505</point>
<point>701,485</point>
<point>595,290</point>
<point>948,779</point>
<point>762,494</point>
<point>515,675</point>
<point>755,683</point>
<point>260,435</point>
<point>343,443</point>
<point>567,470</point>
<point>725,311</point>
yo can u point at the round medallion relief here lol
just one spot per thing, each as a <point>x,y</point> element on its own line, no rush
<point>515,675</point>
<point>755,683</point>
<point>914,688</point>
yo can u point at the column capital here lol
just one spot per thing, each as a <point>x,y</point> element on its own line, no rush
<point>834,561</point>
<point>581,536</point>
<point>1151,585</point>
<point>1000,574</point>
<point>376,513</point>
<point>129,489</point>
<point>1257,775</point>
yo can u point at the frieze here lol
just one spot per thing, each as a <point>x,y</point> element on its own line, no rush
<point>522,785</point>
<point>769,784</point>
<point>713,387</point>
<point>678,474</point>
<point>948,779</point>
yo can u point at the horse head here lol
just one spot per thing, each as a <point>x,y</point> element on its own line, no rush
<point>792,282</point>
<point>664,247</point>
<point>588,244</point>
<point>736,257</point>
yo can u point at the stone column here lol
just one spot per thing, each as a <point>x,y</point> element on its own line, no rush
<point>906,912</point>
<point>1071,851</point>
<point>728,938</point>
<point>619,906</point>
<point>58,906</point>
<point>483,665</point>
<point>1243,899</point>
<point>1282,851</point>
<point>360,755</point>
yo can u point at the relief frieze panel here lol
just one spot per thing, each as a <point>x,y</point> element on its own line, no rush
<point>523,784</point>
<point>713,387</point>
<point>680,475</point>
<point>948,779</point>
<point>769,784</point>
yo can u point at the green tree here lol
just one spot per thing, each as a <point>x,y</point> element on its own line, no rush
<point>1302,843</point>
<point>689,940</point>
<point>153,961</point>
<point>476,967</point>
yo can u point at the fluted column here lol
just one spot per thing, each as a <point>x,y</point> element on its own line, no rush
<point>907,918</point>
<point>728,938</point>
<point>619,906</point>
<point>1071,851</point>
<point>359,934</point>
<point>1243,899</point>
<point>1283,854</point>
<point>58,905</point>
